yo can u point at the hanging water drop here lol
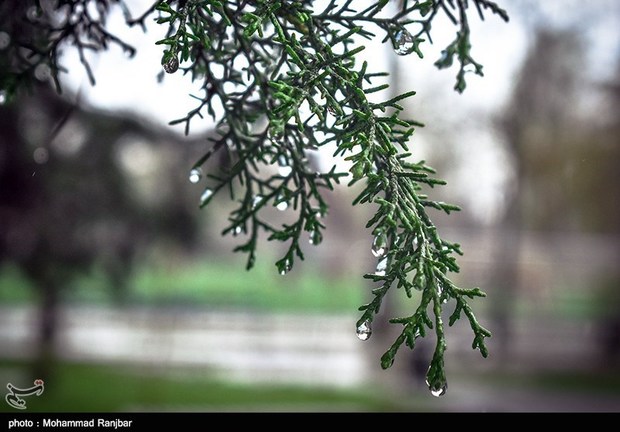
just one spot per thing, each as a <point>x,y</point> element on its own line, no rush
<point>379,245</point>
<point>364,330</point>
<point>403,42</point>
<point>316,237</point>
<point>195,175</point>
<point>256,200</point>
<point>3,97</point>
<point>284,266</point>
<point>206,195</point>
<point>171,65</point>
<point>284,169</point>
<point>381,267</point>
<point>237,230</point>
<point>438,389</point>
<point>281,203</point>
<point>440,292</point>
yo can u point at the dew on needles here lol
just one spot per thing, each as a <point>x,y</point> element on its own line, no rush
<point>195,175</point>
<point>403,42</point>
<point>256,200</point>
<point>284,169</point>
<point>438,389</point>
<point>379,245</point>
<point>381,267</point>
<point>281,203</point>
<point>171,65</point>
<point>315,237</point>
<point>206,196</point>
<point>285,266</point>
<point>364,330</point>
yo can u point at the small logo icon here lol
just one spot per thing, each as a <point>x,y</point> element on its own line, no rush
<point>13,396</point>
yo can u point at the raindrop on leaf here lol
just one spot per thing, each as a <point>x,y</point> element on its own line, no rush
<point>256,200</point>
<point>206,195</point>
<point>316,237</point>
<point>403,42</point>
<point>381,267</point>
<point>364,331</point>
<point>284,169</point>
<point>171,65</point>
<point>438,388</point>
<point>195,175</point>
<point>284,266</point>
<point>282,204</point>
<point>379,245</point>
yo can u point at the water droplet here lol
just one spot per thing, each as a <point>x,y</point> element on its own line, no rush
<point>282,204</point>
<point>284,169</point>
<point>5,40</point>
<point>256,201</point>
<point>40,155</point>
<point>3,97</point>
<point>438,389</point>
<point>419,281</point>
<point>285,266</point>
<point>206,195</point>
<point>440,292</point>
<point>172,65</point>
<point>237,230</point>
<point>379,245</point>
<point>195,175</point>
<point>364,331</point>
<point>42,72</point>
<point>316,237</point>
<point>403,42</point>
<point>381,267</point>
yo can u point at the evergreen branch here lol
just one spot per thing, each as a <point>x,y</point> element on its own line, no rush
<point>282,80</point>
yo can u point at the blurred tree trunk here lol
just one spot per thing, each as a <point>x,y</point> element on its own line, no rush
<point>535,129</point>
<point>47,330</point>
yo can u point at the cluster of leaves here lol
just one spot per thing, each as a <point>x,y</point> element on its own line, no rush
<point>282,81</point>
<point>288,82</point>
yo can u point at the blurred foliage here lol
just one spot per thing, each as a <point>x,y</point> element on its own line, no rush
<point>284,81</point>
<point>94,388</point>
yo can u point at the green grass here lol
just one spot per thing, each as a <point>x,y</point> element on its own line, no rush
<point>14,286</point>
<point>222,284</point>
<point>97,388</point>
<point>207,283</point>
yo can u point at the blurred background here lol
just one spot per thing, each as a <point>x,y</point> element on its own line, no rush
<point>124,296</point>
